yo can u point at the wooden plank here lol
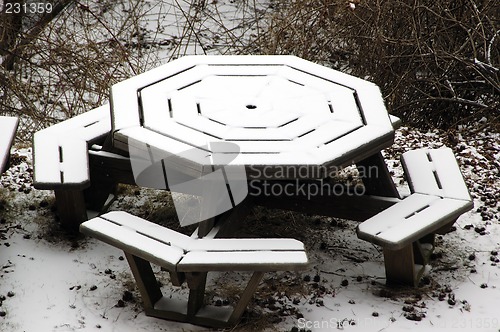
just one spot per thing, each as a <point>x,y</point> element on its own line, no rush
<point>449,175</point>
<point>287,130</point>
<point>99,119</point>
<point>327,132</point>
<point>124,98</point>
<point>262,260</point>
<point>355,146</point>
<point>411,219</point>
<point>231,71</point>
<point>372,107</point>
<point>341,98</point>
<point>221,245</point>
<point>439,213</point>
<point>60,162</point>
<point>8,127</point>
<point>169,308</point>
<point>266,147</point>
<point>420,173</point>
<point>139,138</point>
<point>155,98</point>
<point>182,133</point>
<point>46,161</point>
<point>434,172</point>
<point>221,87</point>
<point>394,215</point>
<point>237,115</point>
<point>60,151</point>
<point>213,316</point>
<point>147,228</point>
<point>127,239</point>
<point>205,125</point>
<point>73,161</point>
<point>276,162</point>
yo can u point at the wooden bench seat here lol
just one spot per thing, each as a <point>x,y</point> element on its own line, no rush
<point>410,220</point>
<point>67,155</point>
<point>406,230</point>
<point>8,127</point>
<point>60,152</point>
<point>189,259</point>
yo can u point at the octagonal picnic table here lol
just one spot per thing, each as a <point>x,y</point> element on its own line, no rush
<point>286,115</point>
<point>280,121</point>
<point>279,110</point>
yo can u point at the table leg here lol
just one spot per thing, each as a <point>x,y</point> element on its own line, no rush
<point>400,266</point>
<point>145,279</point>
<point>205,227</point>
<point>71,208</point>
<point>226,224</point>
<point>196,282</point>
<point>245,297</point>
<point>376,176</point>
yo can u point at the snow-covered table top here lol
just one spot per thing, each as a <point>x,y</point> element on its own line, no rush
<point>269,110</point>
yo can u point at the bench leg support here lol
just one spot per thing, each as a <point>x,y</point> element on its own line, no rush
<point>145,279</point>
<point>97,195</point>
<point>400,266</point>
<point>245,297</point>
<point>196,283</point>
<point>71,208</point>
<point>379,184</point>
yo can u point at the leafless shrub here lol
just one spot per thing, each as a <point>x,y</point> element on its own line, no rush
<point>58,72</point>
<point>437,62</point>
<point>56,66</point>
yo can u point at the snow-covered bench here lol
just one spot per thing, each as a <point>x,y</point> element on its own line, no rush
<point>189,259</point>
<point>63,157</point>
<point>406,230</point>
<point>8,127</point>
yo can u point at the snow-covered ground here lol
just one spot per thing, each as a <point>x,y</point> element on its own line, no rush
<point>50,281</point>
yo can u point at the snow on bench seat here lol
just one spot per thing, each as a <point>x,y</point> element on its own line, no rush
<point>182,253</point>
<point>406,230</point>
<point>60,152</point>
<point>229,260</point>
<point>434,172</point>
<point>8,127</point>
<point>190,259</point>
<point>439,196</point>
<point>411,219</point>
<point>133,242</point>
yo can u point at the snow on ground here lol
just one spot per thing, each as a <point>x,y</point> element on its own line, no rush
<point>50,281</point>
<point>54,282</point>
